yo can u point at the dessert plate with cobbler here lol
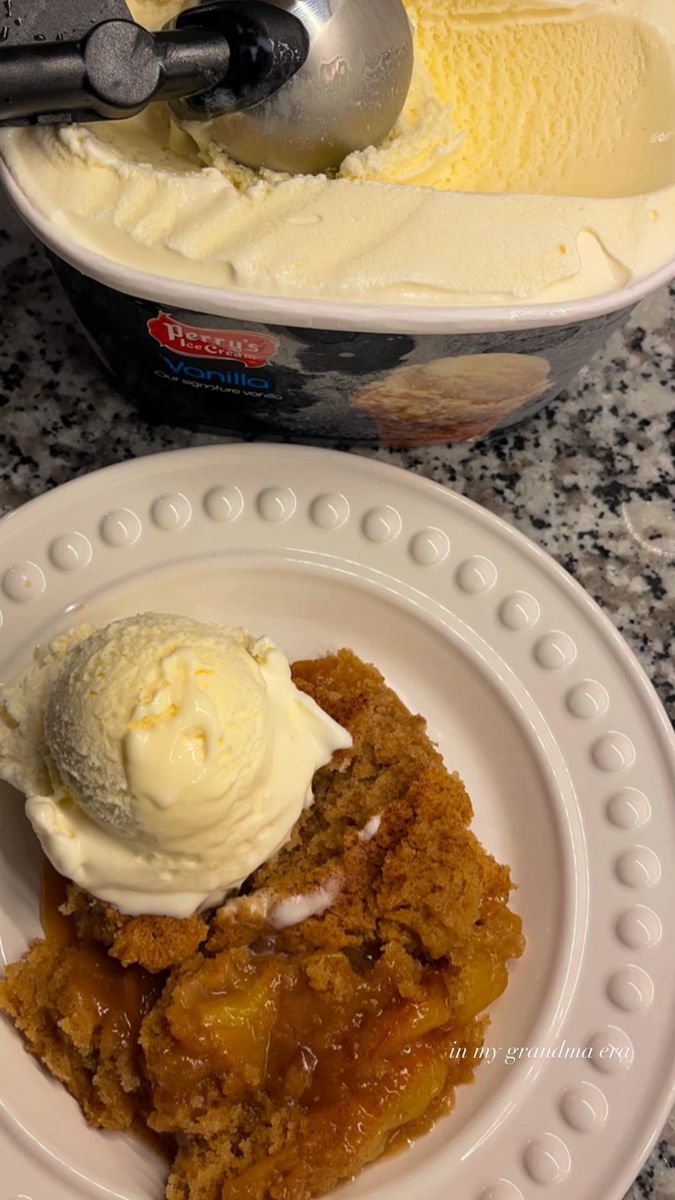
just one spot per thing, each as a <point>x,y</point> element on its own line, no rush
<point>333,836</point>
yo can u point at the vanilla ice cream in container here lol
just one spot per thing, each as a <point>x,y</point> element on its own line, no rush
<point>162,759</point>
<point>434,288</point>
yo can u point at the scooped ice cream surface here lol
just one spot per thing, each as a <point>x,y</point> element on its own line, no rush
<point>163,759</point>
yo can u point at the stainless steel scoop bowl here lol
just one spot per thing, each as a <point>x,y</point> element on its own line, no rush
<point>346,96</point>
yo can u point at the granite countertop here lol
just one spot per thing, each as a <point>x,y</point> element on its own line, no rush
<point>591,480</point>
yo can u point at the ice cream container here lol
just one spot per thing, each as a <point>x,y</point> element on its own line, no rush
<point>238,363</point>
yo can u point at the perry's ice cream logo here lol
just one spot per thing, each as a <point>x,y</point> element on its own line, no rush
<point>237,345</point>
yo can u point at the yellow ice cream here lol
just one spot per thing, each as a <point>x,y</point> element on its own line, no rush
<point>557,101</point>
<point>162,759</point>
<point>534,161</point>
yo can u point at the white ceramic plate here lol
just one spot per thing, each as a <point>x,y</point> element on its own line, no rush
<point>531,695</point>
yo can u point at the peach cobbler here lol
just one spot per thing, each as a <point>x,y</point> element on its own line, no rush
<point>280,1042</point>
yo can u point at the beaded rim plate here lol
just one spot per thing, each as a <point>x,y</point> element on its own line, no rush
<point>531,694</point>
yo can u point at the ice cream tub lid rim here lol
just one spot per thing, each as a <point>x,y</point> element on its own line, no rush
<point>308,313</point>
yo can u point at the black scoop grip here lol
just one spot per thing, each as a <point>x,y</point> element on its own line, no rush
<point>267,47</point>
<point>221,57</point>
<point>113,72</point>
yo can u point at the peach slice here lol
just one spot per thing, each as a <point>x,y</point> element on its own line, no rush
<point>337,1140</point>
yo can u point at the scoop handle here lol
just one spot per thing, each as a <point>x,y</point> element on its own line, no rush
<point>40,79</point>
<point>113,72</point>
<point>220,57</point>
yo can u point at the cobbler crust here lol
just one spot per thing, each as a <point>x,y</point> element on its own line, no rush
<point>155,943</point>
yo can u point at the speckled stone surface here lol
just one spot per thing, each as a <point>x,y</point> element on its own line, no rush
<point>590,479</point>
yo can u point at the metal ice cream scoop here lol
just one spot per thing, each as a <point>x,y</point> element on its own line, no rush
<point>294,85</point>
<point>347,94</point>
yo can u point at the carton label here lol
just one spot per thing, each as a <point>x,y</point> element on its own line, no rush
<point>252,349</point>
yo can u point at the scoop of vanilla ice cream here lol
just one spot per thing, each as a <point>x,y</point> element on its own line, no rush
<point>163,759</point>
